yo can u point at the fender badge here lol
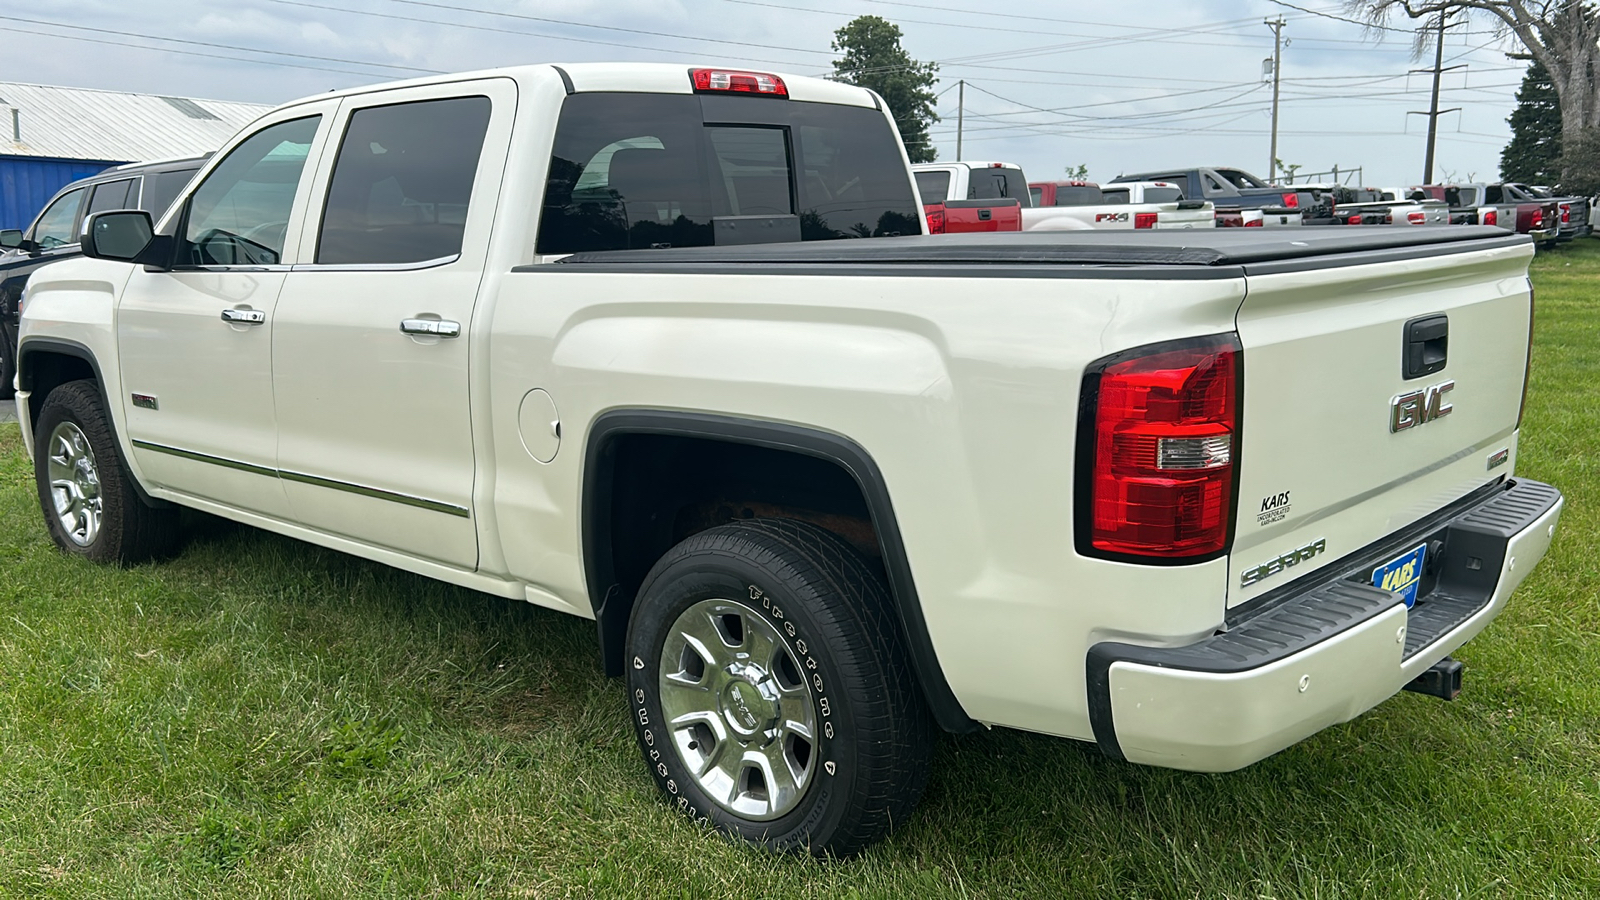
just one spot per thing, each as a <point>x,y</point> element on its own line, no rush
<point>146,401</point>
<point>1499,458</point>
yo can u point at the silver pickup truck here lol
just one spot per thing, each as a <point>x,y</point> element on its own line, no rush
<point>665,347</point>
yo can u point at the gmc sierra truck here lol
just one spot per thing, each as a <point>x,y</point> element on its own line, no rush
<point>664,347</point>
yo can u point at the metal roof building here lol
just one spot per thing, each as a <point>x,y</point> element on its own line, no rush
<point>50,136</point>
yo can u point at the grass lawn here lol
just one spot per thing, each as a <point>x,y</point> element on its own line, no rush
<point>261,717</point>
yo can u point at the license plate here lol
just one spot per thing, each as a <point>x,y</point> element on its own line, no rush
<point>1403,575</point>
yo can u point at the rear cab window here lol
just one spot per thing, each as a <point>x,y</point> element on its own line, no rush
<point>933,186</point>
<point>632,171</point>
<point>999,183</point>
<point>1084,195</point>
<point>1162,195</point>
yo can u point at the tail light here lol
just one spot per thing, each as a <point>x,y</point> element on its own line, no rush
<point>1255,222</point>
<point>1292,200</point>
<point>1416,218</point>
<point>1566,214</point>
<point>1353,220</point>
<point>1388,219</point>
<point>738,82</point>
<point>1491,218</point>
<point>1157,439</point>
<point>1527,367</point>
<point>1538,219</point>
<point>935,214</point>
<point>1144,220</point>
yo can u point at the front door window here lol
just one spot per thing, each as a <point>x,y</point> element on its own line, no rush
<point>239,216</point>
<point>54,228</point>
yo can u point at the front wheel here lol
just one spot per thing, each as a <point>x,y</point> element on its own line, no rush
<point>771,692</point>
<point>90,506</point>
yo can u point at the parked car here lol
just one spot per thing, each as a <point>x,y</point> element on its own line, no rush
<point>53,235</point>
<point>1465,208</point>
<point>1572,212</point>
<point>962,197</point>
<point>1235,189</point>
<point>1379,206</point>
<point>1514,208</point>
<point>1086,206</point>
<point>637,342</point>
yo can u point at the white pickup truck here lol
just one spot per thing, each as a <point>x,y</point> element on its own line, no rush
<point>1128,206</point>
<point>640,343</point>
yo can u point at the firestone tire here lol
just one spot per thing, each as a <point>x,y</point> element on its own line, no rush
<point>90,506</point>
<point>771,692</point>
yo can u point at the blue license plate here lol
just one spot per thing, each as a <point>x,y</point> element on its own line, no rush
<point>1403,575</point>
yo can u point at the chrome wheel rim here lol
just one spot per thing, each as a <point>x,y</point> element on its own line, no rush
<point>74,484</point>
<point>739,709</point>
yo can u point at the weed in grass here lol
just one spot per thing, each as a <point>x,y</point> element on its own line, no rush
<point>262,718</point>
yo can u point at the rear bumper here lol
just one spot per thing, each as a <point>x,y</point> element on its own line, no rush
<point>1322,653</point>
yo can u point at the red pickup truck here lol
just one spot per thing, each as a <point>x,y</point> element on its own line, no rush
<point>962,197</point>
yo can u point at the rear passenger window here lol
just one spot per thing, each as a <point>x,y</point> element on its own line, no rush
<point>402,181</point>
<point>646,171</point>
<point>161,188</point>
<point>112,195</point>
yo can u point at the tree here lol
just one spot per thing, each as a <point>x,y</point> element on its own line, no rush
<point>1287,170</point>
<point>1534,154</point>
<point>1079,172</point>
<point>1561,35</point>
<point>873,58</point>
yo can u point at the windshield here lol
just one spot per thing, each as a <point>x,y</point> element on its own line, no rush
<point>647,171</point>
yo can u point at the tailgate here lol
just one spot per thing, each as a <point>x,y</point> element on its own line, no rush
<point>1338,446</point>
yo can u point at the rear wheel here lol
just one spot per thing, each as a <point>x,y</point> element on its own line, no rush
<point>771,691</point>
<point>89,502</point>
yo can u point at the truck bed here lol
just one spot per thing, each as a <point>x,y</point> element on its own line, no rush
<point>1212,249</point>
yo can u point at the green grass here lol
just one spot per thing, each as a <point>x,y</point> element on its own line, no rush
<point>262,718</point>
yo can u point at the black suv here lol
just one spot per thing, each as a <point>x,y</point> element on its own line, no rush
<point>54,234</point>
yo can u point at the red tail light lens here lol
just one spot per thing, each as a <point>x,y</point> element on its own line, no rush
<point>1566,214</point>
<point>1256,222</point>
<point>1291,200</point>
<point>1144,220</point>
<point>1156,451</point>
<point>1491,218</point>
<point>1416,218</point>
<point>1538,219</point>
<point>935,214</point>
<point>738,82</point>
<point>1353,220</point>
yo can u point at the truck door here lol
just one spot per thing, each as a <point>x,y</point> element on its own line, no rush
<point>374,330</point>
<point>196,341</point>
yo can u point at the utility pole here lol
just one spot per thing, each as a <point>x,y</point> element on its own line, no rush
<point>1277,65</point>
<point>961,113</point>
<point>1434,112</point>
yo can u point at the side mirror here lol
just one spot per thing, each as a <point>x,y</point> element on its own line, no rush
<point>10,239</point>
<point>119,236</point>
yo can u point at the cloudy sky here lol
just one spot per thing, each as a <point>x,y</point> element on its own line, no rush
<point>1049,83</point>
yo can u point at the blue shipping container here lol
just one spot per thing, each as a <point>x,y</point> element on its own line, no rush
<point>28,182</point>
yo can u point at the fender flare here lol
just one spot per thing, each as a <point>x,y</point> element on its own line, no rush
<point>64,347</point>
<point>611,607</point>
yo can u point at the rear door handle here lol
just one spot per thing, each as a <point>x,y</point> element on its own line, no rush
<point>244,316</point>
<point>443,328</point>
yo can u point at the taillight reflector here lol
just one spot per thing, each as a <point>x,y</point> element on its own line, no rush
<point>935,214</point>
<point>1291,199</point>
<point>1144,220</point>
<point>1491,218</point>
<point>738,82</point>
<point>1416,218</point>
<point>1157,447</point>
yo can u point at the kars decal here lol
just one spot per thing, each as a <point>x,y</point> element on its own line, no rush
<point>1274,509</point>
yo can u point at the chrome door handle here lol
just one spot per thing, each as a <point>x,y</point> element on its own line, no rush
<point>443,328</point>
<point>244,316</point>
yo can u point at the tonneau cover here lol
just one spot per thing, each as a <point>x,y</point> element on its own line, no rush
<point>1200,247</point>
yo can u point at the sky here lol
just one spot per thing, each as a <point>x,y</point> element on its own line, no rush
<point>1049,84</point>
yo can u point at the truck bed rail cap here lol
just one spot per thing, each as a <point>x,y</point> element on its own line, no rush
<point>1213,247</point>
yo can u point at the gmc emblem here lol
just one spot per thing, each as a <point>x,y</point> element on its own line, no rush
<point>1419,407</point>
